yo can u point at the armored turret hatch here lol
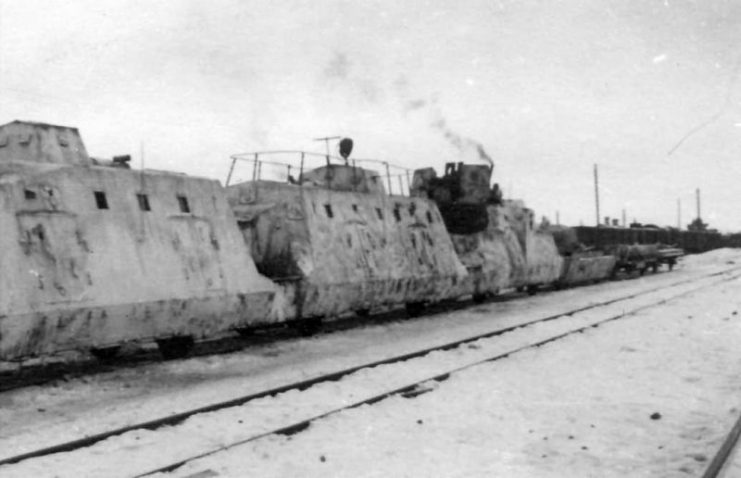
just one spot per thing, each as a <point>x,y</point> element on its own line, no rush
<point>42,143</point>
<point>344,178</point>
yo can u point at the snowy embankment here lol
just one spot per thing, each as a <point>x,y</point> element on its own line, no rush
<point>140,451</point>
<point>42,416</point>
<point>650,395</point>
<point>225,378</point>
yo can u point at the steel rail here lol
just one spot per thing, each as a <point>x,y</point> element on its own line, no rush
<point>177,418</point>
<point>39,374</point>
<point>299,426</point>
<point>720,459</point>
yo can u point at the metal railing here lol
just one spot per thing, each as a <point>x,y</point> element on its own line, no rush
<point>309,160</point>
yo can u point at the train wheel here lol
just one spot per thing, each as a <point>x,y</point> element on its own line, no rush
<point>308,326</point>
<point>532,289</point>
<point>415,309</point>
<point>362,312</point>
<point>106,354</point>
<point>245,332</point>
<point>478,298</point>
<point>175,347</point>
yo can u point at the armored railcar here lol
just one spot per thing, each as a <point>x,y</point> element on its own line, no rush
<point>337,242</point>
<point>94,254</point>
<point>581,263</point>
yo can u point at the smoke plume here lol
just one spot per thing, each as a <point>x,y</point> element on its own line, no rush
<point>462,143</point>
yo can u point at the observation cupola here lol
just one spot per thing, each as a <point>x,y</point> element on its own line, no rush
<point>42,143</point>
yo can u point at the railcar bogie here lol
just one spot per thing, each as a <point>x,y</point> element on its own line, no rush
<point>415,309</point>
<point>365,312</point>
<point>106,354</point>
<point>175,347</point>
<point>307,326</point>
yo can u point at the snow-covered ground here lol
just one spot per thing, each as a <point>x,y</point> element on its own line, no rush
<point>652,395</point>
<point>42,416</point>
<point>493,419</point>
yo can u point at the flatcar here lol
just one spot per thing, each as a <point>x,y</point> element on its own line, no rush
<point>689,241</point>
<point>582,264</point>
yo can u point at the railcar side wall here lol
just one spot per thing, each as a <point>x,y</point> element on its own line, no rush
<point>494,257</point>
<point>579,268</point>
<point>544,262</point>
<point>94,256</point>
<point>508,253</point>
<point>339,251</point>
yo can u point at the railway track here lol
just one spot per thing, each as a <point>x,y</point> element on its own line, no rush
<point>720,465</point>
<point>16,376</point>
<point>474,350</point>
<point>39,374</point>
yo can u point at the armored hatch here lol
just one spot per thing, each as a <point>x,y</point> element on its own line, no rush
<point>343,177</point>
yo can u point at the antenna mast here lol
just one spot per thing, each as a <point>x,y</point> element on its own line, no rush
<point>326,140</point>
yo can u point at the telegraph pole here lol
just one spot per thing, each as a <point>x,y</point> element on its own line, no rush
<point>697,193</point>
<point>596,193</point>
<point>679,214</point>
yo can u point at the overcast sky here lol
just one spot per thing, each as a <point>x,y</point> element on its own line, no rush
<point>647,89</point>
